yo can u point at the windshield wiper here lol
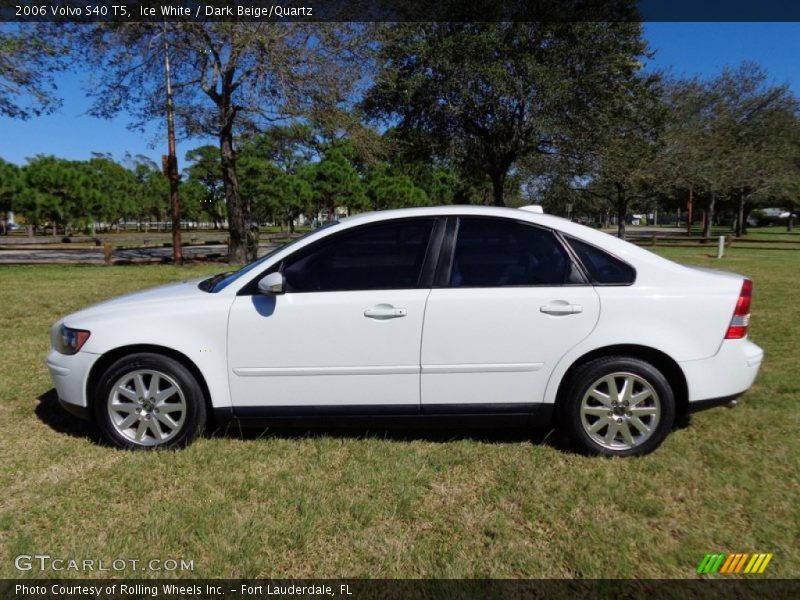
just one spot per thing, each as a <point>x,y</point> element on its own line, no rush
<point>208,284</point>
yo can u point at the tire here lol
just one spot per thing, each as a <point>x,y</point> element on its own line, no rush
<point>636,425</point>
<point>133,414</point>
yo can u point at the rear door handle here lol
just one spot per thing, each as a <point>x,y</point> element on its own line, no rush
<point>561,309</point>
<point>382,312</point>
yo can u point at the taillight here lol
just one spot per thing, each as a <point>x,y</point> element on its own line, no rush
<point>741,314</point>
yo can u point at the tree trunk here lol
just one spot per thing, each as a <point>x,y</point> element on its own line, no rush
<point>498,187</point>
<point>709,216</point>
<point>238,209</point>
<point>622,212</point>
<point>740,218</point>
<point>747,211</point>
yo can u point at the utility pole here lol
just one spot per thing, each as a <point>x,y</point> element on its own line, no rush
<point>171,166</point>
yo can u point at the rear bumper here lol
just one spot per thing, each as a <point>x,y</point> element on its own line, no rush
<point>725,376</point>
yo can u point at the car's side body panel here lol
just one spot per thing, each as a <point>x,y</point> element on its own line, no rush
<point>495,345</point>
<point>321,349</point>
<point>179,317</point>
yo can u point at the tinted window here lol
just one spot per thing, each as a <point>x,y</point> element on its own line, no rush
<point>495,252</point>
<point>601,266</point>
<point>373,257</point>
<point>220,282</point>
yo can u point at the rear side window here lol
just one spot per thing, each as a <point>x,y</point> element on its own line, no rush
<point>601,266</point>
<point>499,252</point>
<point>372,257</point>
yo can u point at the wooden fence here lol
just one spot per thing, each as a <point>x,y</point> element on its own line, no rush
<point>683,241</point>
<point>124,250</point>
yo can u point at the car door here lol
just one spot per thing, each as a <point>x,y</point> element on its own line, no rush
<point>508,303</point>
<point>346,333</point>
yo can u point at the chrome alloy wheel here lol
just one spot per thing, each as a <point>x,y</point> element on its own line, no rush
<point>147,407</point>
<point>620,411</point>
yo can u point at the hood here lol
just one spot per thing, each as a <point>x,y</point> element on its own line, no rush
<point>157,296</point>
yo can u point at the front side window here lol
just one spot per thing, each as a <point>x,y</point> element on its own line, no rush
<point>373,257</point>
<point>498,253</point>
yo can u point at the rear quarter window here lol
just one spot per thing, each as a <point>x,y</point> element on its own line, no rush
<point>602,267</point>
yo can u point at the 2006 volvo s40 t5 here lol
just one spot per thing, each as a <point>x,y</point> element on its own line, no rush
<point>419,314</point>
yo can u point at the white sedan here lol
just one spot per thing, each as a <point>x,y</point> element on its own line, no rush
<point>419,315</point>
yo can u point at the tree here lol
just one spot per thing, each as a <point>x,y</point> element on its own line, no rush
<point>628,147</point>
<point>111,190</point>
<point>274,169</point>
<point>732,141</point>
<point>394,191</point>
<point>28,60</point>
<point>335,182</point>
<point>228,78</point>
<point>56,190</point>
<point>758,125</point>
<point>9,189</point>
<point>491,94</point>
<point>205,172</point>
<point>152,190</point>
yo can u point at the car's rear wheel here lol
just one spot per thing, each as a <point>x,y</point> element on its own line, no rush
<point>618,406</point>
<point>148,401</point>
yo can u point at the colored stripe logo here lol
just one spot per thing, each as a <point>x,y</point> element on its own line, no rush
<point>729,564</point>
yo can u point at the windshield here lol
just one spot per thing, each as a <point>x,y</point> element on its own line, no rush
<point>220,281</point>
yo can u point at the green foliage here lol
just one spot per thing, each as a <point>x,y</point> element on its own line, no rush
<point>29,56</point>
<point>335,182</point>
<point>9,187</point>
<point>627,148</point>
<point>490,94</point>
<point>734,140</point>
<point>57,190</point>
<point>204,186</point>
<point>395,191</point>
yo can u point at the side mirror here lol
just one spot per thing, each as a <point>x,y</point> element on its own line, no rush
<point>274,283</point>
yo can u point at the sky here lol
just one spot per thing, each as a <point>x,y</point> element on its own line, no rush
<point>683,48</point>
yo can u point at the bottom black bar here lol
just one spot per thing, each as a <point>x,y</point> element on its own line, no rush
<point>360,589</point>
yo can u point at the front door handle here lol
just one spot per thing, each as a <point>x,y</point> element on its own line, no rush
<point>382,312</point>
<point>561,308</point>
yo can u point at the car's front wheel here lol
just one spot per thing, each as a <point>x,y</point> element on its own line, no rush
<point>147,401</point>
<point>618,406</point>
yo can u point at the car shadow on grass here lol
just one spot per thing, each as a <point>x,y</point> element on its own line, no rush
<point>399,433</point>
<point>54,416</point>
<point>50,412</point>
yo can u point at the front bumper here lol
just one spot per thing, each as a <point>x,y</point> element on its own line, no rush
<point>69,375</point>
<point>724,376</point>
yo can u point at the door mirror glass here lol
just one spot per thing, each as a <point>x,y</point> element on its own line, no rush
<point>272,284</point>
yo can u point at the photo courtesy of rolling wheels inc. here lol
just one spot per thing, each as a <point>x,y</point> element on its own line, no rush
<point>399,300</point>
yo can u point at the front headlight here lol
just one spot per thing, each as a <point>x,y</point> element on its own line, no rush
<point>68,341</point>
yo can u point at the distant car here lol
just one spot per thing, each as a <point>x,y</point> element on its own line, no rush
<point>419,315</point>
<point>9,227</point>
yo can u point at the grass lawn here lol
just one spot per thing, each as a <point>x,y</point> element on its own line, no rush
<point>500,504</point>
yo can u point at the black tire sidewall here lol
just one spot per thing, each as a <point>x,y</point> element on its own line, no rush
<point>195,402</point>
<point>589,373</point>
